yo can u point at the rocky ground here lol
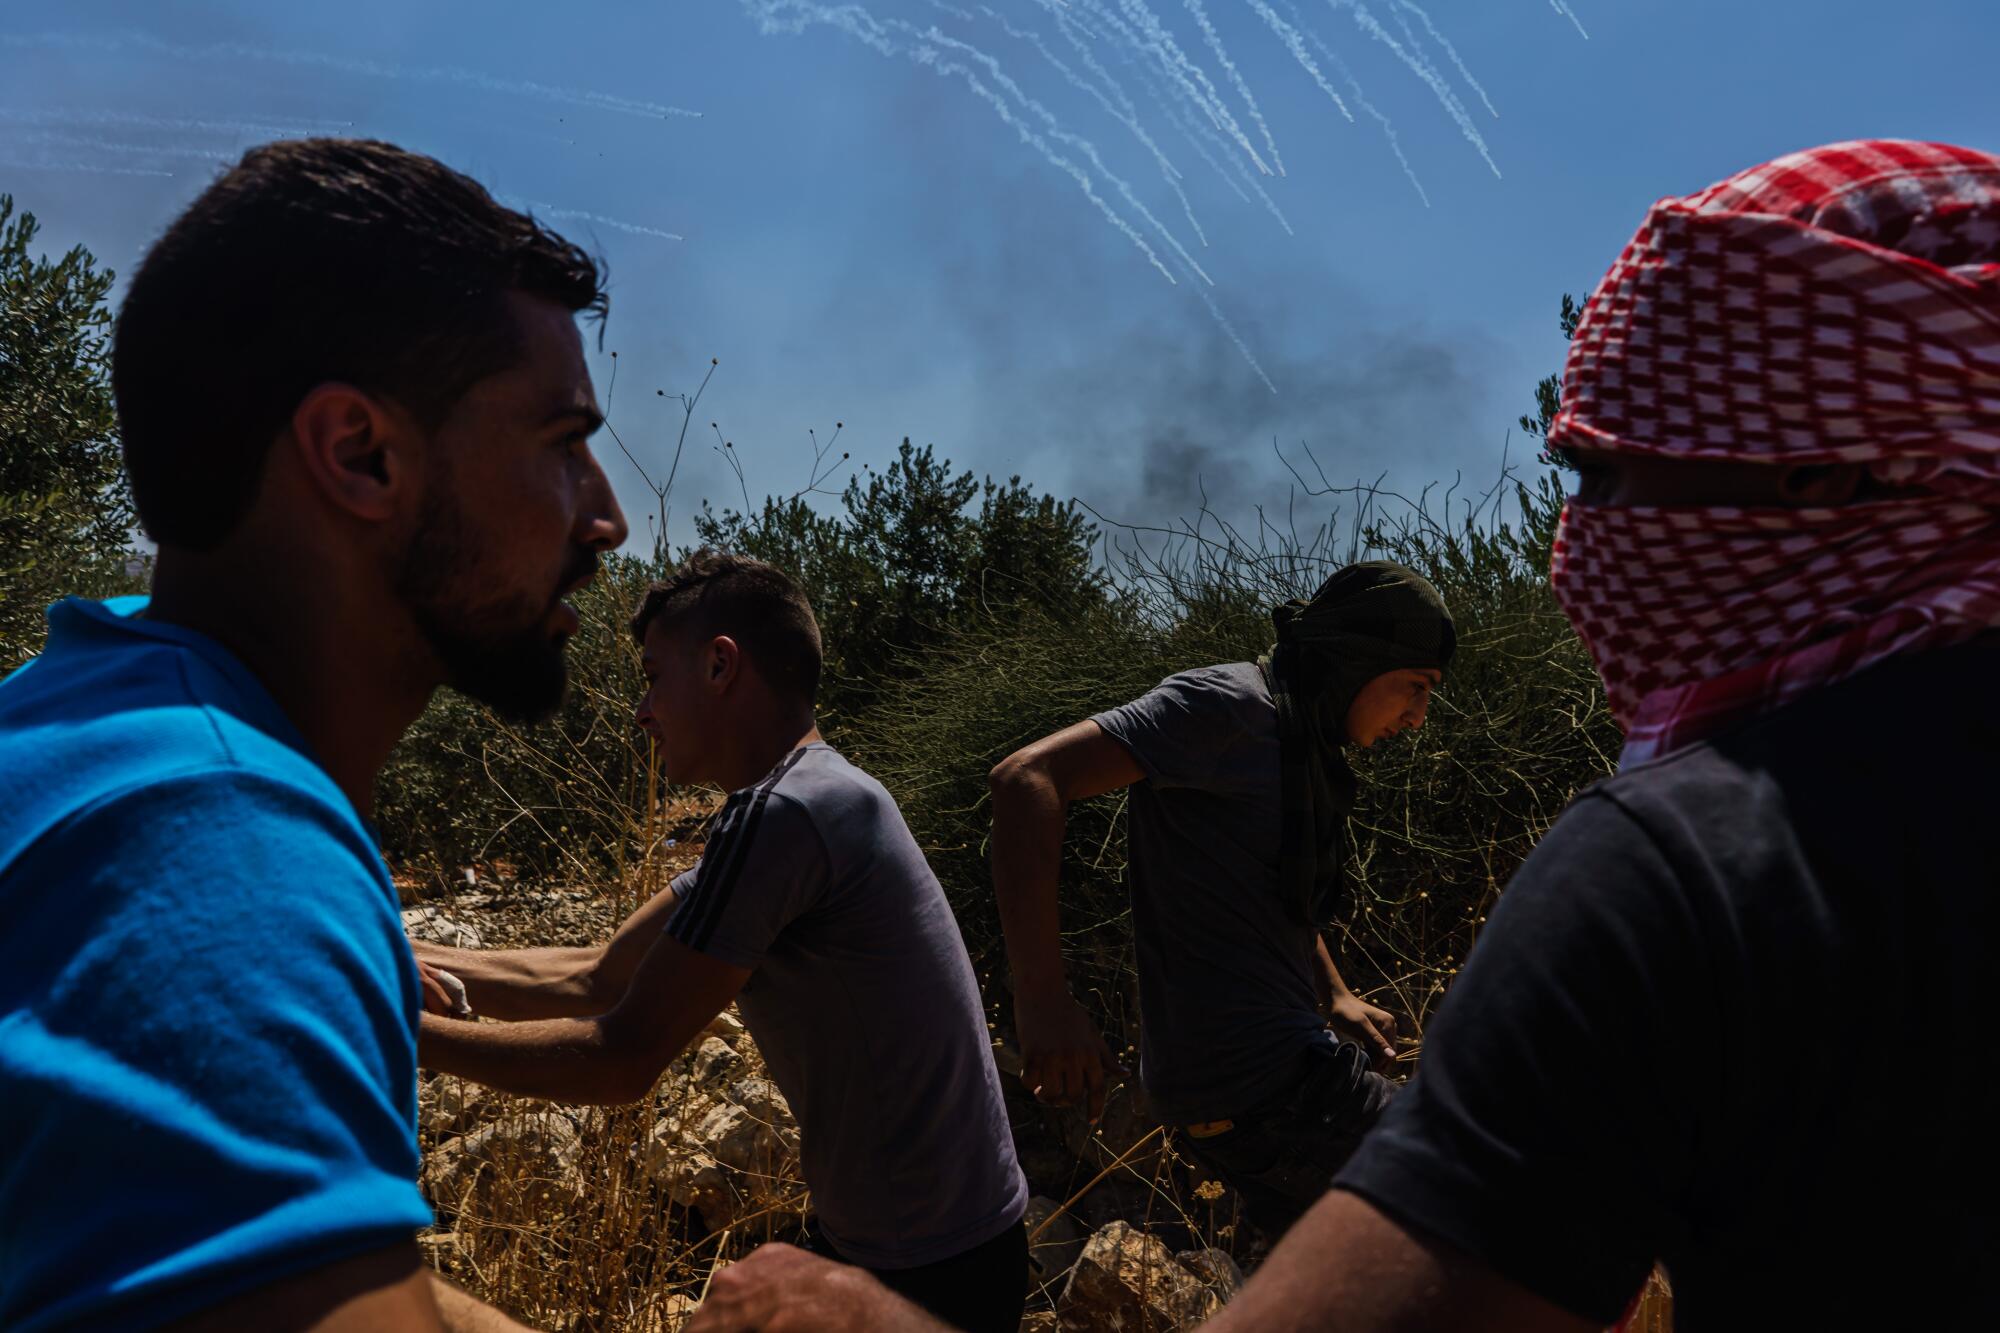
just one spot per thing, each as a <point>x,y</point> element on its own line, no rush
<point>1124,1235</point>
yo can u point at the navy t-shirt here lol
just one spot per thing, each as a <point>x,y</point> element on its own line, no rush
<point>207,1007</point>
<point>864,1005</point>
<point>1227,999</point>
<point>1734,1014</point>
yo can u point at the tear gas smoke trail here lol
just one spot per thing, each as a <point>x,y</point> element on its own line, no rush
<point>1181,109</point>
<point>794,16</point>
<point>1452,52</point>
<point>1222,321</point>
<point>41,116</point>
<point>434,74</point>
<point>1200,134</point>
<point>91,168</point>
<point>1082,145</point>
<point>55,139</point>
<point>1195,131</point>
<point>1561,7</point>
<point>1214,40</point>
<point>580,215</point>
<point>1152,38</point>
<point>1423,69</point>
<point>1123,112</point>
<point>1296,45</point>
<point>1332,57</point>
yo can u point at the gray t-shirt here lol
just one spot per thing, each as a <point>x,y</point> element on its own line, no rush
<point>1227,1001</point>
<point>864,1004</point>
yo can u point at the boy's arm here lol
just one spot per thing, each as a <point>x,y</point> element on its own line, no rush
<point>387,1289</point>
<point>1353,1017</point>
<point>1063,1057</point>
<point>608,1058</point>
<point>520,984</point>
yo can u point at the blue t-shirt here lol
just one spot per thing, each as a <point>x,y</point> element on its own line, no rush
<point>207,1007</point>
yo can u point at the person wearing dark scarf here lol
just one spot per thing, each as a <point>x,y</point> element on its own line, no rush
<point>1237,831</point>
<point>1365,623</point>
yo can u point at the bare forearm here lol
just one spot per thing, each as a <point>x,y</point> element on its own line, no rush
<point>1345,1267</point>
<point>1332,987</point>
<point>1027,865</point>
<point>561,1059</point>
<point>520,984</point>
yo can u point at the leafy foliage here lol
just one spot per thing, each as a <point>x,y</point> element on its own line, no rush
<point>915,549</point>
<point>1548,393</point>
<point>1518,727</point>
<point>65,517</point>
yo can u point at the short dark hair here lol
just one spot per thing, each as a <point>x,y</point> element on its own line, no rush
<point>756,604</point>
<point>308,261</point>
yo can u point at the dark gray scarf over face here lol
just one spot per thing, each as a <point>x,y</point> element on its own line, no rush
<point>1369,619</point>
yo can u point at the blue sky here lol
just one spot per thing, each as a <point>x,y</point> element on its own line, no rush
<point>864,240</point>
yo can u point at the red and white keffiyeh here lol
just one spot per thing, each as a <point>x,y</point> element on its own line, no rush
<point>1837,305</point>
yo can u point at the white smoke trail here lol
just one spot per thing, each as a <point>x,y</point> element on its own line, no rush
<point>1296,45</point>
<point>1245,182</point>
<point>91,168</point>
<point>1369,24</point>
<point>579,215</point>
<point>56,139</point>
<point>1144,30</point>
<point>1181,112</point>
<point>318,60</point>
<point>1562,7</point>
<point>1229,329</point>
<point>1214,40</point>
<point>1451,51</point>
<point>180,124</point>
<point>795,16</point>
<point>1368,108</point>
<point>1084,146</point>
<point>1123,111</point>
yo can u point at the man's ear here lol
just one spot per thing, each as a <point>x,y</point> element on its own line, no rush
<point>725,660</point>
<point>1821,485</point>
<point>359,452</point>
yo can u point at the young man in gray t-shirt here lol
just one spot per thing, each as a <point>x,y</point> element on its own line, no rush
<point>1236,985</point>
<point>813,908</point>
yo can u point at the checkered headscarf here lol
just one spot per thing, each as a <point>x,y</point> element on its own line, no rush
<point>1840,305</point>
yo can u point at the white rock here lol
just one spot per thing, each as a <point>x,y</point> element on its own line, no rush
<point>428,923</point>
<point>726,1026</point>
<point>714,1063</point>
<point>1126,1281</point>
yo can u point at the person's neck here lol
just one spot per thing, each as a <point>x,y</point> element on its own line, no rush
<point>761,748</point>
<point>327,665</point>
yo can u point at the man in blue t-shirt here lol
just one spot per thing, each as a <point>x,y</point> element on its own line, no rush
<point>353,405</point>
<point>814,908</point>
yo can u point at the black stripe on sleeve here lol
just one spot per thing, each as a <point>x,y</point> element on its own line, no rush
<point>735,840</point>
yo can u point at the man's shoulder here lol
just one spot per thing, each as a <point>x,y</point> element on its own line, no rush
<point>1231,689</point>
<point>1860,740</point>
<point>79,733</point>
<point>820,787</point>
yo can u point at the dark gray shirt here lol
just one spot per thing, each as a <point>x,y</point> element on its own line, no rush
<point>1735,1013</point>
<point>864,1004</point>
<point>1226,992</point>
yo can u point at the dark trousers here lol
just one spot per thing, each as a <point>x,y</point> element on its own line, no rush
<point>1281,1155</point>
<point>981,1290</point>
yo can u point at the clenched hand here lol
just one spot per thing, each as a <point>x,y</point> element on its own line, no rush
<point>1064,1060</point>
